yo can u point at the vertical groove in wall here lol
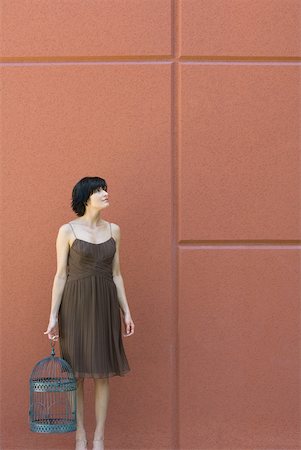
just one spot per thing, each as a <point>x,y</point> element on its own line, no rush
<point>175,36</point>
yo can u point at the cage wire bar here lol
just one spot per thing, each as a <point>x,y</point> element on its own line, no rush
<point>52,396</point>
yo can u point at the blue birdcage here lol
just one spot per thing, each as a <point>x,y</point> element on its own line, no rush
<point>52,396</point>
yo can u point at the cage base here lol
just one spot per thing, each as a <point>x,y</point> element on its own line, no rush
<point>53,426</point>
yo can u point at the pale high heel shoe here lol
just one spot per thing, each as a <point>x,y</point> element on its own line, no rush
<point>98,444</point>
<point>81,444</point>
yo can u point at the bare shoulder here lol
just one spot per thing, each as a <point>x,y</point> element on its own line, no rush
<point>115,227</point>
<point>115,230</point>
<point>65,228</point>
<point>65,231</point>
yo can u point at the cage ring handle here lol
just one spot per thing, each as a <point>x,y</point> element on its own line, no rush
<point>53,340</point>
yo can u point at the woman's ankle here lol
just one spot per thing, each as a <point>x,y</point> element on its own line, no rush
<point>80,433</point>
<point>98,437</point>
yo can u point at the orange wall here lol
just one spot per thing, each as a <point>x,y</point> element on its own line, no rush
<point>191,111</point>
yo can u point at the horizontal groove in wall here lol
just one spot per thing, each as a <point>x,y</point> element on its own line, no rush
<point>153,58</point>
<point>241,58</point>
<point>242,244</point>
<point>118,58</point>
<point>77,63</point>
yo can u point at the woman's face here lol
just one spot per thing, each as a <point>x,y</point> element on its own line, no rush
<point>99,199</point>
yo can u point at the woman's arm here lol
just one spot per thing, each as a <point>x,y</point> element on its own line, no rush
<point>57,292</point>
<point>118,280</point>
<point>62,250</point>
<point>117,277</point>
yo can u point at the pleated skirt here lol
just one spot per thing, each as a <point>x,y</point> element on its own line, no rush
<point>89,326</point>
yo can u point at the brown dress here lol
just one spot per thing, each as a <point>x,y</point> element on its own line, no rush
<point>89,320</point>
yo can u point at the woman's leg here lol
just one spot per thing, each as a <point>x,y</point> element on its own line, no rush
<point>80,432</point>
<point>102,396</point>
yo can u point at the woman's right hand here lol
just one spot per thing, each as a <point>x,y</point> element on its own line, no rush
<point>51,329</point>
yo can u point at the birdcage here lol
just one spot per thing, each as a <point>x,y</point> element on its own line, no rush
<point>52,396</point>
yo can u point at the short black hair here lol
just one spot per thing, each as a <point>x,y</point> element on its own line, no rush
<point>82,191</point>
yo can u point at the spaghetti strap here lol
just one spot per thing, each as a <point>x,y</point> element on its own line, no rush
<point>110,228</point>
<point>72,229</point>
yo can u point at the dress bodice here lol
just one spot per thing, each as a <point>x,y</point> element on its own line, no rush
<point>86,259</point>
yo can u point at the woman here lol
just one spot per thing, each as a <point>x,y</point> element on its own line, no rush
<point>87,295</point>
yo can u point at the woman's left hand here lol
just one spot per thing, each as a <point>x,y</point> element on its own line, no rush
<point>128,325</point>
